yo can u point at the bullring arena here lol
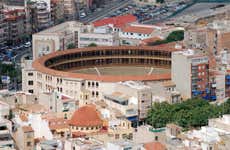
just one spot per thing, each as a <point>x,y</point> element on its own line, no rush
<point>108,63</point>
<point>72,70</point>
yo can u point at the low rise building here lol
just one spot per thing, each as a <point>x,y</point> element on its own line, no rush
<point>126,105</point>
<point>131,98</point>
<point>70,35</point>
<point>116,23</point>
<point>205,138</point>
<point>165,91</point>
<point>56,38</point>
<point>133,33</point>
<point>6,140</point>
<point>45,144</point>
<point>122,145</point>
<point>85,120</point>
<point>39,125</point>
<point>220,123</point>
<point>4,110</point>
<point>82,143</point>
<point>24,137</point>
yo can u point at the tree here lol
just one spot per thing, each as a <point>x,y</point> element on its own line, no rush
<point>175,36</point>
<point>172,37</point>
<point>92,45</point>
<point>71,46</point>
<point>11,115</point>
<point>188,114</point>
<point>160,1</point>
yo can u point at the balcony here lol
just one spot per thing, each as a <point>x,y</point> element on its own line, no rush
<point>227,82</point>
<point>228,77</point>
<point>6,140</point>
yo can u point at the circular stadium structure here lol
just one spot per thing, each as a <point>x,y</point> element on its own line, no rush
<point>109,64</point>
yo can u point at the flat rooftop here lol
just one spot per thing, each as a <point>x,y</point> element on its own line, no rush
<point>58,29</point>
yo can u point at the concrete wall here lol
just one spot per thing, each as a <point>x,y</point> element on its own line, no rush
<point>181,74</point>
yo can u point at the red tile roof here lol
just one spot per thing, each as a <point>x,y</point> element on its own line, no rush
<point>86,116</point>
<point>39,64</point>
<point>136,29</point>
<point>154,146</point>
<point>57,123</point>
<point>150,40</point>
<point>118,21</point>
<point>23,117</point>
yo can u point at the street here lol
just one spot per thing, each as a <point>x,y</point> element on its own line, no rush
<point>104,12</point>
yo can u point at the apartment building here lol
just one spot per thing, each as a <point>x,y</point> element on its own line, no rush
<point>57,11</point>
<point>214,37</point>
<point>39,14</point>
<point>3,27</point>
<point>195,37</point>
<point>194,69</point>
<point>15,20</point>
<point>69,9</point>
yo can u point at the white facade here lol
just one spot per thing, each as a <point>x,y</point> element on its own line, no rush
<point>40,126</point>
<point>71,33</point>
<point>181,71</point>
<point>133,35</point>
<point>101,39</point>
<point>56,38</point>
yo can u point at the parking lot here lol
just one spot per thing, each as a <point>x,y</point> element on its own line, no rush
<point>144,13</point>
<point>13,53</point>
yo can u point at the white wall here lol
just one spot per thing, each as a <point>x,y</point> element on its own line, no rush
<point>181,74</point>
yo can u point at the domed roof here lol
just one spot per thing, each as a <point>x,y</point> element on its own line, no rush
<point>86,116</point>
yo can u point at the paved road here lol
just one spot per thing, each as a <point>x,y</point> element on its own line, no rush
<point>21,54</point>
<point>104,12</point>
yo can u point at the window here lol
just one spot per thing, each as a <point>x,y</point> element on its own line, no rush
<point>30,82</point>
<point>97,93</point>
<point>116,136</point>
<point>30,135</point>
<point>31,91</point>
<point>28,143</point>
<point>97,84</point>
<point>30,74</point>
<point>89,84</point>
